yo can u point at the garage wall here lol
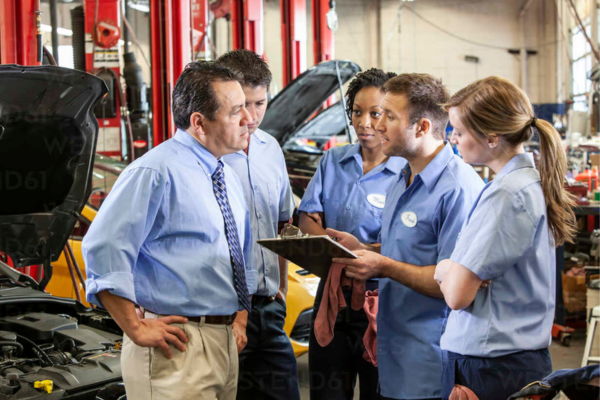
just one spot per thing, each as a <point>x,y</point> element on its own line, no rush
<point>416,46</point>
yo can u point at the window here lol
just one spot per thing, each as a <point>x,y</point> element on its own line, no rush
<point>581,67</point>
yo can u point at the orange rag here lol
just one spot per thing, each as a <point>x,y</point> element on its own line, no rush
<point>461,392</point>
<point>370,339</point>
<point>333,301</point>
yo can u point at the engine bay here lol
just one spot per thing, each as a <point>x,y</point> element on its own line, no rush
<point>54,348</point>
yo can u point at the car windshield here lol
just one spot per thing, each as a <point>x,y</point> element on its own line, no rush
<point>313,136</point>
<point>106,172</point>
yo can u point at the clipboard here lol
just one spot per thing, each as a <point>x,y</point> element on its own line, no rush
<point>313,253</point>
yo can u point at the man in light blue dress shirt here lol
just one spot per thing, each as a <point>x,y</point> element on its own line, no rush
<point>268,368</point>
<point>174,238</point>
<point>421,220</point>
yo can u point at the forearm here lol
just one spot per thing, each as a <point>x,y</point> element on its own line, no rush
<point>415,277</point>
<point>283,277</point>
<point>122,311</point>
<point>460,286</point>
<point>310,226</point>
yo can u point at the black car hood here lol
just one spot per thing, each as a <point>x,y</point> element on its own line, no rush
<point>303,96</point>
<point>48,136</point>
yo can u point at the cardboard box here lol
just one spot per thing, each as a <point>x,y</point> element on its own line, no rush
<point>574,293</point>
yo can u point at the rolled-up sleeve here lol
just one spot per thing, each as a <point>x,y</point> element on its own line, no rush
<point>312,201</point>
<point>499,232</point>
<point>112,244</point>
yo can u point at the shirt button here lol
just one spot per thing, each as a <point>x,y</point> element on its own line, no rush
<point>358,183</point>
<point>347,207</point>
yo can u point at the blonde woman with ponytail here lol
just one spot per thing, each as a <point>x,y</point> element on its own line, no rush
<point>500,279</point>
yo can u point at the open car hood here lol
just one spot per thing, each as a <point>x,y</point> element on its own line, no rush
<point>303,96</point>
<point>48,136</point>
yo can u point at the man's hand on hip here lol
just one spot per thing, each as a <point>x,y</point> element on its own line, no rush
<point>145,332</point>
<point>239,330</point>
<point>160,333</point>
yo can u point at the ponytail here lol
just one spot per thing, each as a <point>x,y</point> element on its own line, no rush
<point>495,106</point>
<point>553,167</point>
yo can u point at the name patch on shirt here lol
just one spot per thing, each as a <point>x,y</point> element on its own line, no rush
<point>376,200</point>
<point>409,219</point>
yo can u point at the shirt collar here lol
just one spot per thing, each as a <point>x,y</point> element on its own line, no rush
<point>434,169</point>
<point>393,164</point>
<point>205,158</point>
<point>257,137</point>
<point>523,160</point>
<point>260,135</point>
<point>352,152</point>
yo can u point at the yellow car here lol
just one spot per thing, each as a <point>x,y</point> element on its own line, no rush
<point>302,286</point>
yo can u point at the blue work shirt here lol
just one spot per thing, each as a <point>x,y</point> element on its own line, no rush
<point>420,227</point>
<point>351,200</point>
<point>268,194</point>
<point>159,238</point>
<point>506,239</point>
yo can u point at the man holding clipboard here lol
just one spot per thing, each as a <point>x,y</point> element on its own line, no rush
<point>422,218</point>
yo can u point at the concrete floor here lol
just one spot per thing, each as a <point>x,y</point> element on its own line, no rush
<point>562,357</point>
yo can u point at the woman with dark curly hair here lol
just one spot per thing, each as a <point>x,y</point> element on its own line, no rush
<point>347,193</point>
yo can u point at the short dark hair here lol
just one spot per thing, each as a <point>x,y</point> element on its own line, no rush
<point>426,96</point>
<point>255,71</point>
<point>194,91</point>
<point>373,77</point>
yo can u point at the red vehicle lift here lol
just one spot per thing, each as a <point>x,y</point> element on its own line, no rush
<point>323,44</point>
<point>246,25</point>
<point>171,52</point>
<point>293,34</point>
<point>21,39</point>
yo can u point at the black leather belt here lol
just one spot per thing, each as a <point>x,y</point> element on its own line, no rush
<point>208,319</point>
<point>215,319</point>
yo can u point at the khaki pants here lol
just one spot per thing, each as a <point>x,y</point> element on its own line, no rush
<point>206,370</point>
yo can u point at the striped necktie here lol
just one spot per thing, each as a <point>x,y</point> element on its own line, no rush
<point>233,240</point>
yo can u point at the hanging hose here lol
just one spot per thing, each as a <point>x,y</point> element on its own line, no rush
<point>38,24</point>
<point>124,110</point>
<point>50,57</point>
<point>78,38</point>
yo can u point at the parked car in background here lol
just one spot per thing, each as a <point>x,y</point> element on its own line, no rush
<point>304,128</point>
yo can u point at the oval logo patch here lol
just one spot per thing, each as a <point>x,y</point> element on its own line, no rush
<point>376,200</point>
<point>409,219</point>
